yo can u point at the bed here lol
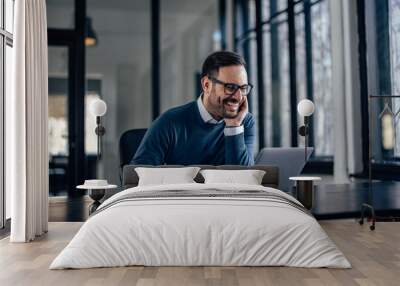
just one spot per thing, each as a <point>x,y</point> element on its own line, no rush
<point>197,224</point>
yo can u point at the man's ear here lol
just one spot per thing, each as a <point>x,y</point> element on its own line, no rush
<point>206,84</point>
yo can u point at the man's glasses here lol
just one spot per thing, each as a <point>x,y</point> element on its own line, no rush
<point>231,88</point>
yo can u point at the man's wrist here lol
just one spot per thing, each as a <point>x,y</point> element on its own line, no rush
<point>232,123</point>
<point>233,130</point>
<point>235,122</point>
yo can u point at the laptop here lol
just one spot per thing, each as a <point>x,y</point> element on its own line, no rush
<point>289,160</point>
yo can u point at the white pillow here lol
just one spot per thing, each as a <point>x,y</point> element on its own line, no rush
<point>164,176</point>
<point>248,177</point>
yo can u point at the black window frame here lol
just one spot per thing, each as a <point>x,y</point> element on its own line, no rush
<point>388,170</point>
<point>243,32</point>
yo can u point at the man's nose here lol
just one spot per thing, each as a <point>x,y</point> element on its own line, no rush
<point>237,95</point>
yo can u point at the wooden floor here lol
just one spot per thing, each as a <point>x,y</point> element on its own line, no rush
<point>375,257</point>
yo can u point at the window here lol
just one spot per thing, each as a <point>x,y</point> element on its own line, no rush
<point>6,62</point>
<point>246,45</point>
<point>322,79</point>
<point>277,81</point>
<point>383,48</point>
<point>312,47</point>
<point>394,39</point>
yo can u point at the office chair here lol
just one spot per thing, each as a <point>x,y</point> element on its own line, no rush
<point>128,144</point>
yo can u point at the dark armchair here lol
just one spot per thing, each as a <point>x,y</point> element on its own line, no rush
<point>128,144</point>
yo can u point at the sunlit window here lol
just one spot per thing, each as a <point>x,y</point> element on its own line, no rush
<point>313,70</point>
<point>6,65</point>
<point>385,112</point>
<point>394,35</point>
<point>322,79</point>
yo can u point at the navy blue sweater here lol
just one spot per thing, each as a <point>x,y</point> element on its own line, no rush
<point>181,137</point>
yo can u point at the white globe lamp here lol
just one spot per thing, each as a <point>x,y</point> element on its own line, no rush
<point>305,108</point>
<point>98,108</point>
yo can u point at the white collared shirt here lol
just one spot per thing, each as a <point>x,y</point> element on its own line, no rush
<point>207,118</point>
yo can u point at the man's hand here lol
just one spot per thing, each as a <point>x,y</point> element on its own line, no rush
<point>237,121</point>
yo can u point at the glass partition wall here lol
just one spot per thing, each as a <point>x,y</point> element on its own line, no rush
<point>118,68</point>
<point>120,62</point>
<point>58,109</point>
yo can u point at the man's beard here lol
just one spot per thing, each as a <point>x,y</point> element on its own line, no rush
<point>228,113</point>
<point>219,109</point>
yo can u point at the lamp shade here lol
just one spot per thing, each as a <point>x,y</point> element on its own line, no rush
<point>98,107</point>
<point>90,34</point>
<point>305,107</point>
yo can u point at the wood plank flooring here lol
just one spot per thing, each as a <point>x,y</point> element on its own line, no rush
<point>375,257</point>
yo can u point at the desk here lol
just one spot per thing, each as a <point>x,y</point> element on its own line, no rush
<point>333,201</point>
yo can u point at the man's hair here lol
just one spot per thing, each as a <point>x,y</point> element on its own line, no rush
<point>221,59</point>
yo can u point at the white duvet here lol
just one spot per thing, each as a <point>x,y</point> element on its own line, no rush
<point>200,231</point>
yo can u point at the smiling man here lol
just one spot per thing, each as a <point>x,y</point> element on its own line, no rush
<point>215,129</point>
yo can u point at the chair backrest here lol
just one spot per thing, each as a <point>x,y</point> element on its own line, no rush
<point>289,160</point>
<point>128,144</point>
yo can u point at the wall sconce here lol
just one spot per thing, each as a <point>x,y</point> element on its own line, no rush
<point>305,108</point>
<point>98,108</point>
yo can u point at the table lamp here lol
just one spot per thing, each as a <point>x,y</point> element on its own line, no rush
<point>305,108</point>
<point>98,108</point>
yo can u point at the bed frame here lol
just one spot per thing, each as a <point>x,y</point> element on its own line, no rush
<point>271,178</point>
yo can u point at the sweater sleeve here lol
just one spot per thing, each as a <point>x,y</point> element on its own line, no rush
<point>239,147</point>
<point>154,147</point>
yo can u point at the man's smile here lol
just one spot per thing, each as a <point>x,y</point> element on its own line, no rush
<point>232,105</point>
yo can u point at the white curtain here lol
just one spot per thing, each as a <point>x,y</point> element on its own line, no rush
<point>26,117</point>
<point>346,89</point>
